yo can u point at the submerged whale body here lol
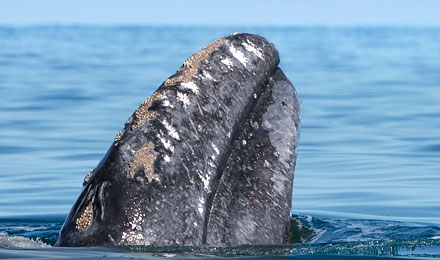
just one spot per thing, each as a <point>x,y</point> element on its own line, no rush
<point>208,159</point>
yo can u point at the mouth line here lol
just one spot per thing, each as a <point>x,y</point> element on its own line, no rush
<point>228,153</point>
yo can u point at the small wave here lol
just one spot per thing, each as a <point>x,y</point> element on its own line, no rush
<point>24,228</point>
<point>20,242</point>
<point>311,235</point>
<point>35,230</point>
<point>412,248</point>
<point>355,230</point>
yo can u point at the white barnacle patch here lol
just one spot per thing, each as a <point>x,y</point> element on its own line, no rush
<point>238,55</point>
<point>250,47</point>
<point>191,86</point>
<point>167,103</point>
<point>182,97</point>
<point>171,130</point>
<point>207,75</point>
<point>217,151</point>
<point>166,143</point>
<point>134,235</point>
<point>130,120</point>
<point>205,178</point>
<point>167,158</point>
<point>200,206</point>
<point>118,137</point>
<point>227,62</point>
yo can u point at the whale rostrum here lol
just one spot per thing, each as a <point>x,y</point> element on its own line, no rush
<point>208,159</point>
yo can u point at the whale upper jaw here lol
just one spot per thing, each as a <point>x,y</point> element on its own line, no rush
<point>208,159</point>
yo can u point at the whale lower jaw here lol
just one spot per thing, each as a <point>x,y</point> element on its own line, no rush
<point>208,159</point>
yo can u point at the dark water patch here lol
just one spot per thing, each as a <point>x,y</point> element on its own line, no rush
<point>431,148</point>
<point>18,55</point>
<point>30,108</point>
<point>23,190</point>
<point>313,126</point>
<point>34,199</point>
<point>76,142</point>
<point>79,156</point>
<point>15,149</point>
<point>56,177</point>
<point>389,82</point>
<point>66,95</point>
<point>346,197</point>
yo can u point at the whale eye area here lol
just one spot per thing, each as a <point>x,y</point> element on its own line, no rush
<point>155,105</point>
<point>85,220</point>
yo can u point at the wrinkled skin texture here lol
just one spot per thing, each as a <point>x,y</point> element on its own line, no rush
<point>207,160</point>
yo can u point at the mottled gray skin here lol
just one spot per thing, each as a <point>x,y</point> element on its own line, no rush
<point>180,173</point>
<point>253,199</point>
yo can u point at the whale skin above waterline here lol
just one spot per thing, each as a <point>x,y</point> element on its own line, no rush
<point>208,159</point>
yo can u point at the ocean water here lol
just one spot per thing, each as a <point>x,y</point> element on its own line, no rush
<point>368,169</point>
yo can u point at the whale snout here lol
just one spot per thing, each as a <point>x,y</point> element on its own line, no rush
<point>208,159</point>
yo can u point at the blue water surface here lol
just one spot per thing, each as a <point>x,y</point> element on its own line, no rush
<point>370,112</point>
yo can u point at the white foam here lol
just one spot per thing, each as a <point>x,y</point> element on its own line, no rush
<point>20,242</point>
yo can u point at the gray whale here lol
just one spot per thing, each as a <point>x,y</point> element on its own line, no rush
<point>208,159</point>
